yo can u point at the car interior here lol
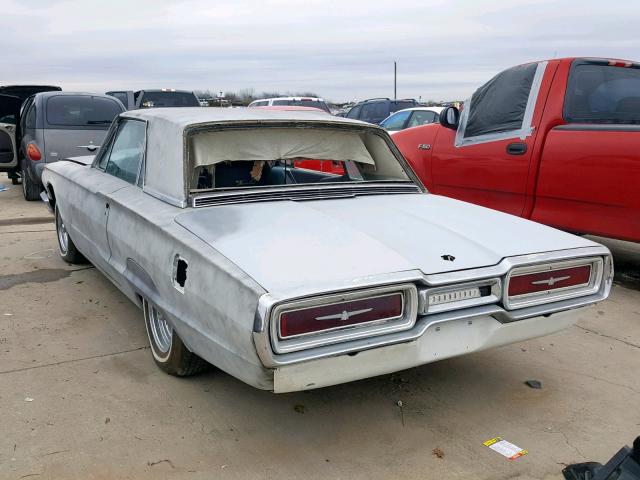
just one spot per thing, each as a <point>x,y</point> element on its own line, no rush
<point>277,156</point>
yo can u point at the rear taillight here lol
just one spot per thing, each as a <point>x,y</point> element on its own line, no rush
<point>552,282</point>
<point>549,280</point>
<point>33,152</point>
<point>339,315</point>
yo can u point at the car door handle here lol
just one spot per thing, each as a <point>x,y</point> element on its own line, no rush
<point>91,147</point>
<point>517,148</point>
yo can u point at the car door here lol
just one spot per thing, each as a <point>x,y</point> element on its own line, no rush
<point>126,164</point>
<point>396,121</point>
<point>9,113</point>
<point>421,117</point>
<point>84,207</point>
<point>486,161</point>
<point>590,167</point>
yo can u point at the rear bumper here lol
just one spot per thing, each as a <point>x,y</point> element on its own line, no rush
<point>439,341</point>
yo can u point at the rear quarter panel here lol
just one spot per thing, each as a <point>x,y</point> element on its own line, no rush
<point>214,315</point>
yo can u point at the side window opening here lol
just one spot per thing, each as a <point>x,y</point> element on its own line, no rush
<point>500,105</point>
<point>354,112</point>
<point>127,151</point>
<point>30,118</point>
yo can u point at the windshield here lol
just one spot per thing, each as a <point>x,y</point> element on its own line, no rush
<point>81,111</point>
<point>303,103</point>
<point>169,99</point>
<point>275,156</point>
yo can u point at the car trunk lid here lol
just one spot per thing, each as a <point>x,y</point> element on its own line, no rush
<point>283,245</point>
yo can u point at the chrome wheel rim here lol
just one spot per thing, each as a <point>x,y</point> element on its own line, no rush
<point>63,236</point>
<point>161,331</point>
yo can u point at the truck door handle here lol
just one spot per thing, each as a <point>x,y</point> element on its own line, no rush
<point>517,148</point>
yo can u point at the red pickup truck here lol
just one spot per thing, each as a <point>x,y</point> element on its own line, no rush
<point>556,141</point>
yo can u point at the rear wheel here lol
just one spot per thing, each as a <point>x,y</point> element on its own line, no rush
<point>168,351</point>
<point>68,250</point>
<point>30,189</point>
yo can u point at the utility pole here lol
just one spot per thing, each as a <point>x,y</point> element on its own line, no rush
<point>395,80</point>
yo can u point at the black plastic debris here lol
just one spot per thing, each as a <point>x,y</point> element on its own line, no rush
<point>537,384</point>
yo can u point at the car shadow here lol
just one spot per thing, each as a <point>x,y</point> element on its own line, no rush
<point>626,259</point>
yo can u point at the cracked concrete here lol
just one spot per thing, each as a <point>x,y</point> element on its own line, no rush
<point>100,409</point>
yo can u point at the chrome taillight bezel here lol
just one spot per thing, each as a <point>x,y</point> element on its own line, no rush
<point>554,294</point>
<point>351,332</point>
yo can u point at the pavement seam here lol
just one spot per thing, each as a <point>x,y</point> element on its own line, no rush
<point>24,369</point>
<point>28,231</point>
<point>631,344</point>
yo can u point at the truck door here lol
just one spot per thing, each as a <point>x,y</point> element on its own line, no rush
<point>590,167</point>
<point>487,160</point>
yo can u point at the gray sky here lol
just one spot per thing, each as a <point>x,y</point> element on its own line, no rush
<point>344,50</point>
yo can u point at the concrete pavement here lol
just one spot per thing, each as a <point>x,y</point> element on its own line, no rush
<point>80,397</point>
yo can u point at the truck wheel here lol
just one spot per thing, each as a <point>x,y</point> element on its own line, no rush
<point>68,250</point>
<point>168,351</point>
<point>30,190</point>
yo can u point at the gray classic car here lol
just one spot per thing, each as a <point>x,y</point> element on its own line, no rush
<point>245,252</point>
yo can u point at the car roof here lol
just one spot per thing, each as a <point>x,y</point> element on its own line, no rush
<point>165,90</point>
<point>182,117</point>
<point>314,99</point>
<point>166,137</point>
<point>58,93</point>
<point>292,108</point>
<point>427,109</point>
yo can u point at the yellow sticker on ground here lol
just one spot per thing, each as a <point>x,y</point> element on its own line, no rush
<point>504,448</point>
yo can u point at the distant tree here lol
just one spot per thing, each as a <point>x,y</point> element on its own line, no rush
<point>247,95</point>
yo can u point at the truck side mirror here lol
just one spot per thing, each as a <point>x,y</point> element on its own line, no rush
<point>450,117</point>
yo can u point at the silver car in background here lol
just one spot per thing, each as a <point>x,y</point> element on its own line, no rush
<point>57,125</point>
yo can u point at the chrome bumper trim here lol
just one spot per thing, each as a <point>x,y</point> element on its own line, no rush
<point>267,302</point>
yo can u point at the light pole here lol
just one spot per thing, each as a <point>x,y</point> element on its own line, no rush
<point>395,80</point>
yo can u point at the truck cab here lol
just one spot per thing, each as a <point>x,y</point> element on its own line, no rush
<point>554,141</point>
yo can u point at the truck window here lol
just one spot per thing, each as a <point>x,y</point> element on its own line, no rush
<point>598,93</point>
<point>500,104</point>
<point>169,99</point>
<point>122,96</point>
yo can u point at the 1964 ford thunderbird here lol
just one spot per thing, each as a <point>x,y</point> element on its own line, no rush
<point>291,279</point>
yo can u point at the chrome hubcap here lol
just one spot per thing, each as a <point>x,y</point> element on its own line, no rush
<point>63,236</point>
<point>160,330</point>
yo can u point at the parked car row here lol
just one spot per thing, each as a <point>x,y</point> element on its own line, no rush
<point>286,246</point>
<point>42,124</point>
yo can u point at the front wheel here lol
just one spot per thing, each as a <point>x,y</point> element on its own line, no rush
<point>68,250</point>
<point>168,351</point>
